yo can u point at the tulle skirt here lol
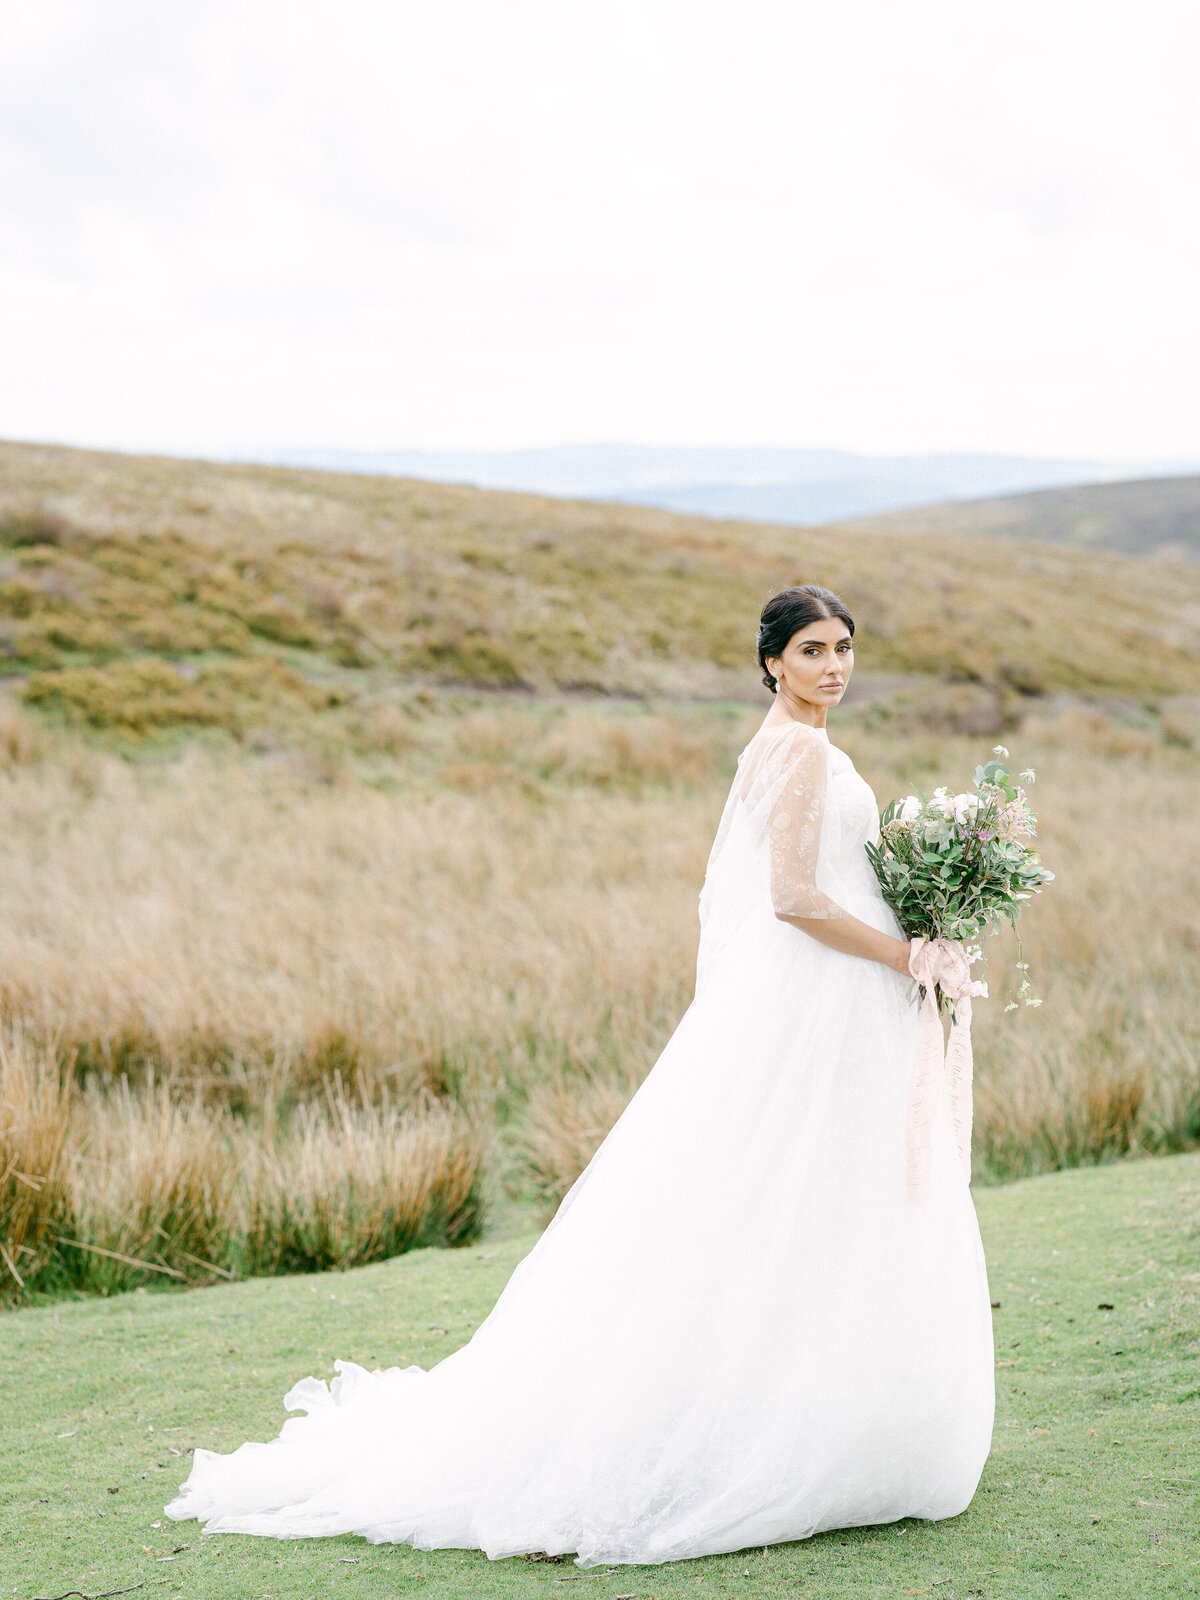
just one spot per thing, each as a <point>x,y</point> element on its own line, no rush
<point>736,1331</point>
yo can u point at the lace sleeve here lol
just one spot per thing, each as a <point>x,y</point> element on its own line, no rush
<point>796,832</point>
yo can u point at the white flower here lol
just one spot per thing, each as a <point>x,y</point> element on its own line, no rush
<point>910,808</point>
<point>979,991</point>
<point>1012,1006</point>
<point>999,750</point>
<point>1028,775</point>
<point>965,807</point>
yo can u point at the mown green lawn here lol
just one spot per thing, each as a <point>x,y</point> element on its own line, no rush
<point>1091,1490</point>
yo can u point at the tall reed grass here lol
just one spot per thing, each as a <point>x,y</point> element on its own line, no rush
<point>358,1183</point>
<point>287,993</point>
<point>34,1197</point>
<point>112,1187</point>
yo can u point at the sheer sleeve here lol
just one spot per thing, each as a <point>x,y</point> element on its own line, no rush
<point>795,831</point>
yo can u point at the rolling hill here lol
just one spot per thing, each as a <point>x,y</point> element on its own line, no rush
<point>186,583</point>
<point>1157,519</point>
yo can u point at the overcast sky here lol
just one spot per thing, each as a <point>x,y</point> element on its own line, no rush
<point>472,223</point>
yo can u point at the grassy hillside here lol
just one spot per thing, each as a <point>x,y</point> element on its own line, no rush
<point>1153,518</point>
<point>146,592</point>
<point>1091,1486</point>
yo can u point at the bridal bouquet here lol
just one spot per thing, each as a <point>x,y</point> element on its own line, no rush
<point>955,866</point>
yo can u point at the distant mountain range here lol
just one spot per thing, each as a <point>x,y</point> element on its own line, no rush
<point>806,487</point>
<point>1158,518</point>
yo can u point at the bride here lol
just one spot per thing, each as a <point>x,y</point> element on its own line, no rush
<point>737,1330</point>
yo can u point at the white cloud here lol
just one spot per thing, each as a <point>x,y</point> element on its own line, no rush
<point>456,223</point>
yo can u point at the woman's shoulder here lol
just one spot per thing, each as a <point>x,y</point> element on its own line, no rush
<point>786,738</point>
<point>775,751</point>
<point>793,727</point>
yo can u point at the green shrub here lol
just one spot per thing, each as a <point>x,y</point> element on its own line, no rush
<point>187,630</point>
<point>473,657</point>
<point>276,619</point>
<point>140,696</point>
<point>29,644</point>
<point>33,525</point>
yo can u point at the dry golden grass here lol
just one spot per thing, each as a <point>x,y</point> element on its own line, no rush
<point>108,1187</point>
<point>567,1116</point>
<point>496,906</point>
<point>151,1187</point>
<point>242,923</point>
<point>34,1119</point>
<point>357,1182</point>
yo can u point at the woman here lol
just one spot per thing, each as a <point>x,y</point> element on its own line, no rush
<point>737,1330</point>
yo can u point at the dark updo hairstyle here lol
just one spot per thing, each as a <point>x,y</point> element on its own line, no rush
<point>790,610</point>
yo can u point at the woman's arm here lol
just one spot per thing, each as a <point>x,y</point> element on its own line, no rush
<point>796,819</point>
<point>854,938</point>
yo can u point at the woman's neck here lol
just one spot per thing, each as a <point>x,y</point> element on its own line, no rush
<point>789,707</point>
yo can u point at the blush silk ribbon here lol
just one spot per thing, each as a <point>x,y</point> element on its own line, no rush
<point>939,1067</point>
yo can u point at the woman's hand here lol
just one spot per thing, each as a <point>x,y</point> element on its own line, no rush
<point>946,964</point>
<point>901,961</point>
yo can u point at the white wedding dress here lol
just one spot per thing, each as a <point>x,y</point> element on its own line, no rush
<point>737,1330</point>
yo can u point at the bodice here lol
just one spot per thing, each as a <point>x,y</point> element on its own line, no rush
<point>850,823</point>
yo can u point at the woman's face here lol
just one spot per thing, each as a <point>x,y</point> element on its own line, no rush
<point>816,663</point>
